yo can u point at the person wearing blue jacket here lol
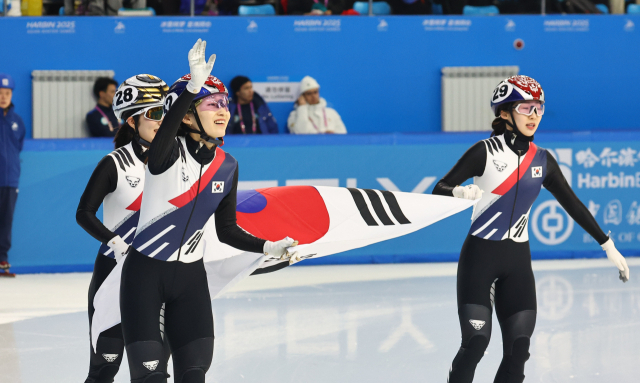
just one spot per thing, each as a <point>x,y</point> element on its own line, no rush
<point>250,114</point>
<point>12,133</point>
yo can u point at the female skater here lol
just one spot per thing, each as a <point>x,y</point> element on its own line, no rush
<point>117,183</point>
<point>510,170</point>
<point>189,178</point>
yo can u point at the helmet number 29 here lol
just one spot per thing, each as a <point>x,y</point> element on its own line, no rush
<point>501,92</point>
<point>126,96</point>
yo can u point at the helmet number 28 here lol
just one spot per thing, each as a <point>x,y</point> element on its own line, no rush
<point>501,92</point>
<point>126,96</point>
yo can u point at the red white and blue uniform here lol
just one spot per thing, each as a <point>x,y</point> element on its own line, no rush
<point>186,184</point>
<point>116,183</point>
<point>495,260</point>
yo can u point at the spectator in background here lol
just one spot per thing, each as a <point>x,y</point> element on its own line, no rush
<point>101,120</point>
<point>250,114</point>
<point>12,133</point>
<point>315,7</point>
<point>310,114</point>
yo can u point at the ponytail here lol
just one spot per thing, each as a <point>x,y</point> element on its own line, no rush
<point>126,133</point>
<point>499,124</point>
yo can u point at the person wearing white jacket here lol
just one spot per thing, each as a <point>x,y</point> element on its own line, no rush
<point>310,114</point>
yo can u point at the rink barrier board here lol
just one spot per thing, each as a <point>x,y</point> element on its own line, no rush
<point>54,173</point>
<point>397,59</point>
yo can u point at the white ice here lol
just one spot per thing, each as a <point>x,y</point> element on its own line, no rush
<point>369,323</point>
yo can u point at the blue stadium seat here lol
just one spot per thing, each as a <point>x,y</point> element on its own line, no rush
<point>633,9</point>
<point>436,9</point>
<point>256,10</point>
<point>379,8</point>
<point>603,8</point>
<point>489,10</point>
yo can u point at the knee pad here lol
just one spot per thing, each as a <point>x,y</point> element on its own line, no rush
<point>192,361</point>
<point>105,362</point>
<point>475,321</point>
<point>146,362</point>
<point>517,329</point>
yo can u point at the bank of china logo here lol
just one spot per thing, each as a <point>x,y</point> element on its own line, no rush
<point>536,172</point>
<point>110,357</point>
<point>477,324</point>
<point>133,181</point>
<point>613,213</point>
<point>185,177</point>
<point>499,165</point>
<point>218,187</point>
<point>551,224</point>
<point>151,365</point>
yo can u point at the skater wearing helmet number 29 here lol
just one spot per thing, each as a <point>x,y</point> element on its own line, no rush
<point>188,179</point>
<point>495,262</point>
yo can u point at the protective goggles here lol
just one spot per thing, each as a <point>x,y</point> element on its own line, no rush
<point>153,113</point>
<point>214,103</point>
<point>526,108</point>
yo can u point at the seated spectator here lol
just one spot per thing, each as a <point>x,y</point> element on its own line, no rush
<point>250,114</point>
<point>310,114</point>
<point>315,7</point>
<point>110,7</point>
<point>101,120</point>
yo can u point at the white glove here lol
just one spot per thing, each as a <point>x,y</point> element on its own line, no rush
<point>278,250</point>
<point>200,69</point>
<point>617,259</point>
<point>467,192</point>
<point>119,247</point>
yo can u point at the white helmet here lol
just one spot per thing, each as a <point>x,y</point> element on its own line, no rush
<point>137,92</point>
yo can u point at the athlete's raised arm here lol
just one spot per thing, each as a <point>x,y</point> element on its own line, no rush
<point>165,149</point>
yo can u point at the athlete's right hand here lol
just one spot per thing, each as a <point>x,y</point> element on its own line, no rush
<point>617,259</point>
<point>199,68</point>
<point>278,250</point>
<point>471,192</point>
<point>119,247</point>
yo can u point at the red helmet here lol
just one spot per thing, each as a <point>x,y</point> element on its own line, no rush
<point>516,88</point>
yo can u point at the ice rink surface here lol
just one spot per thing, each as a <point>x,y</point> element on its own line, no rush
<point>365,323</point>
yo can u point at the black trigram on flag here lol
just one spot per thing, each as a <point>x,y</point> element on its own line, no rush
<point>378,207</point>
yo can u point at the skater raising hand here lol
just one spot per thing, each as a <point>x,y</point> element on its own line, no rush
<point>495,262</point>
<point>189,179</point>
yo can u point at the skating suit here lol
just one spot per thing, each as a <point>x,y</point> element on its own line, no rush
<point>495,261</point>
<point>116,183</point>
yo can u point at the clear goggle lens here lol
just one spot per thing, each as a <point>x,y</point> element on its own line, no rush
<point>528,107</point>
<point>154,113</point>
<point>214,103</point>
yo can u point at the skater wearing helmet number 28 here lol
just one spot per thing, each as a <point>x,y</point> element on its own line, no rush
<point>117,183</point>
<point>188,179</point>
<point>495,262</point>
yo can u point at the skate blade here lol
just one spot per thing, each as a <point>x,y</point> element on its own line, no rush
<point>7,274</point>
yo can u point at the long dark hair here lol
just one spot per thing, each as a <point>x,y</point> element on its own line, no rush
<point>126,133</point>
<point>499,124</point>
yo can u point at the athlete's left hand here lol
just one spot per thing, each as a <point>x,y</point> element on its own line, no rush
<point>279,250</point>
<point>617,259</point>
